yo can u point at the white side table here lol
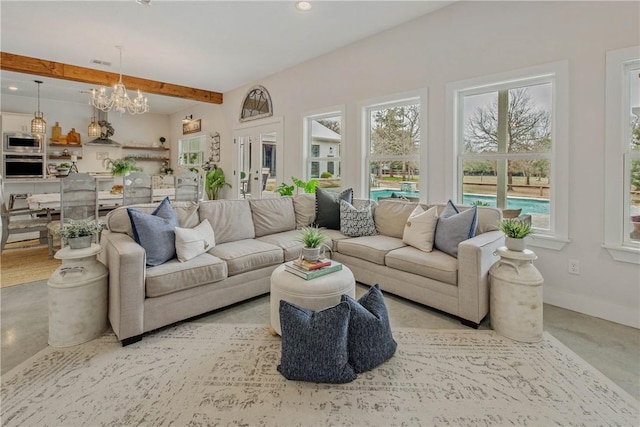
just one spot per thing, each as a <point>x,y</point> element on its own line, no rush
<point>78,297</point>
<point>516,296</point>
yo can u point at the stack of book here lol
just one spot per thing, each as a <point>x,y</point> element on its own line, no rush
<point>311,269</point>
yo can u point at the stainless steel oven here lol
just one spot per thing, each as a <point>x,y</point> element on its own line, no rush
<point>23,143</point>
<point>23,166</point>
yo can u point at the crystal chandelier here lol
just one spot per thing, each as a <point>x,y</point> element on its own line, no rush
<point>38,125</point>
<point>119,99</point>
<point>94,127</point>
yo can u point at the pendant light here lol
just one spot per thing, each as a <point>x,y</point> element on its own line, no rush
<point>38,125</point>
<point>94,127</point>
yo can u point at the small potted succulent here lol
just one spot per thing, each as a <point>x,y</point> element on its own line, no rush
<point>312,238</point>
<point>515,230</point>
<point>79,233</point>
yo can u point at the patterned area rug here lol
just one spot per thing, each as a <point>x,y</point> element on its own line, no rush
<point>213,374</point>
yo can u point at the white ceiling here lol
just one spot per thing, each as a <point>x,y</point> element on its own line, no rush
<point>212,45</point>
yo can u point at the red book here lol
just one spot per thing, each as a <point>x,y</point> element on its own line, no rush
<point>312,265</point>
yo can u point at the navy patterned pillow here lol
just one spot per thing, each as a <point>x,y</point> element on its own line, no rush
<point>454,227</point>
<point>328,207</point>
<point>155,232</point>
<point>370,339</point>
<point>356,222</point>
<point>314,344</point>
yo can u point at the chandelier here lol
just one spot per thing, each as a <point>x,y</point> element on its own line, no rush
<point>38,125</point>
<point>119,99</point>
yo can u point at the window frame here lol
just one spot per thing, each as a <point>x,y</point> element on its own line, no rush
<point>617,102</point>
<point>555,73</point>
<point>203,150</point>
<point>395,100</point>
<point>307,159</point>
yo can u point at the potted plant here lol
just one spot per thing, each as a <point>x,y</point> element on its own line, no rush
<point>214,181</point>
<point>79,233</point>
<point>63,168</point>
<point>121,167</point>
<point>312,238</point>
<point>515,231</point>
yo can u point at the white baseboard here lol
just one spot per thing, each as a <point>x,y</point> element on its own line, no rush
<point>583,304</point>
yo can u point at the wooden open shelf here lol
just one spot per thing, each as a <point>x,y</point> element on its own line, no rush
<point>134,147</point>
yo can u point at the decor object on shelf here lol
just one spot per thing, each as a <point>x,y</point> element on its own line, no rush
<point>120,167</point>
<point>312,238</point>
<point>214,181</point>
<point>73,137</point>
<point>63,168</point>
<point>38,125</point>
<point>56,131</point>
<point>162,141</point>
<point>79,233</point>
<point>515,231</point>
<point>119,99</point>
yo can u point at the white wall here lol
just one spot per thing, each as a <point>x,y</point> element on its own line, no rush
<point>472,39</point>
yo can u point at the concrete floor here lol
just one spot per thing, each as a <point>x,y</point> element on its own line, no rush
<point>611,348</point>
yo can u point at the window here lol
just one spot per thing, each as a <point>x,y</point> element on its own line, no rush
<point>191,151</point>
<point>323,134</point>
<point>392,137</point>
<point>256,105</point>
<point>509,144</point>
<point>622,216</point>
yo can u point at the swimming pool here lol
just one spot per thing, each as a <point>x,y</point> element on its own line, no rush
<point>528,205</point>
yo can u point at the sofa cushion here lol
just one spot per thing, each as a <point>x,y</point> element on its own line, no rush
<point>328,207</point>
<point>191,242</point>
<point>356,222</point>
<point>435,265</point>
<point>314,344</point>
<point>231,220</point>
<point>391,216</point>
<point>174,276</point>
<point>334,237</point>
<point>420,228</point>
<point>247,255</point>
<point>369,248</point>
<point>370,339</point>
<point>289,241</point>
<point>118,219</point>
<point>455,227</point>
<point>154,232</point>
<point>272,215</point>
<point>305,208</point>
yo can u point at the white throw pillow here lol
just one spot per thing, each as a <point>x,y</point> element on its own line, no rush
<point>191,242</point>
<point>420,228</point>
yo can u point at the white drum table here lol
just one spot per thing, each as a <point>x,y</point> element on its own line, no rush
<point>78,297</point>
<point>516,296</point>
<point>315,294</point>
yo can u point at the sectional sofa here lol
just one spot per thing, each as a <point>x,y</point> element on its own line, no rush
<point>253,237</point>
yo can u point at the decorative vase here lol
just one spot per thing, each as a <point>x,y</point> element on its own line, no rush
<point>80,242</point>
<point>311,254</point>
<point>514,244</point>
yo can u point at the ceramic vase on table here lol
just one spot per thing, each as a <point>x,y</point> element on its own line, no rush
<point>311,254</point>
<point>80,242</point>
<point>513,244</point>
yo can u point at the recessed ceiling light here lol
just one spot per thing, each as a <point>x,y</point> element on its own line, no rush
<point>12,87</point>
<point>303,5</point>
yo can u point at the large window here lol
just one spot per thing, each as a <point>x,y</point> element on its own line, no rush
<point>393,148</point>
<point>510,141</point>
<point>323,135</point>
<point>622,216</point>
<point>191,151</point>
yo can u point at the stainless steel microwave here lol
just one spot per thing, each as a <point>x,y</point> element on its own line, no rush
<point>23,143</point>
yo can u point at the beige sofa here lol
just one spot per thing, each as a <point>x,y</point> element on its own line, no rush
<point>253,237</point>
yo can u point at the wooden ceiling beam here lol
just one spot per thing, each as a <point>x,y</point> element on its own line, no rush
<point>58,70</point>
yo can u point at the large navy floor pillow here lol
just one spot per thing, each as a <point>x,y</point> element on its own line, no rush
<point>370,339</point>
<point>314,344</point>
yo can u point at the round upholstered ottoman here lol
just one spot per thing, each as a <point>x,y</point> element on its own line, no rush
<point>314,294</point>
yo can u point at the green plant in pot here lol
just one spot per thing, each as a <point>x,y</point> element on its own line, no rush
<point>79,233</point>
<point>515,230</point>
<point>214,181</point>
<point>121,167</point>
<point>312,238</point>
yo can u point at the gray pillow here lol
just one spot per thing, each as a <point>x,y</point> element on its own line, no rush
<point>328,207</point>
<point>455,227</point>
<point>314,344</point>
<point>370,339</point>
<point>154,232</point>
<point>356,222</point>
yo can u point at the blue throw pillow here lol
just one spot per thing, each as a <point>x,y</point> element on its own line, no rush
<point>314,344</point>
<point>328,207</point>
<point>370,339</point>
<point>154,232</point>
<point>455,227</point>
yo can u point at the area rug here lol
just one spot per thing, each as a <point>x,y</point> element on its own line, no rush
<point>24,265</point>
<point>213,374</point>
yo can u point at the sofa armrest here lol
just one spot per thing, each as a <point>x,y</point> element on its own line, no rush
<point>126,261</point>
<point>475,258</point>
